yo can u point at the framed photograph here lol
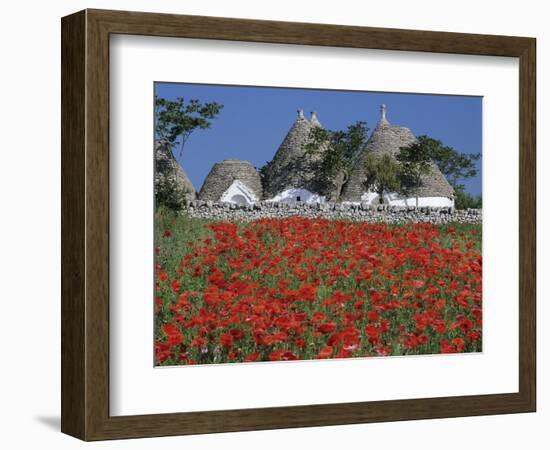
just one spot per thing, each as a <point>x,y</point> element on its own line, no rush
<point>272,225</point>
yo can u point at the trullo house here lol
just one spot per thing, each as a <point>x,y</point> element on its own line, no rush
<point>293,174</point>
<point>434,191</point>
<point>168,170</point>
<point>232,181</point>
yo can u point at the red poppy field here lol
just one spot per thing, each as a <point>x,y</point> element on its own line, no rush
<point>297,289</point>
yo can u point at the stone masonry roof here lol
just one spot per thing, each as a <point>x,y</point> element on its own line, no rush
<point>387,138</point>
<point>292,167</point>
<point>166,167</point>
<point>224,173</point>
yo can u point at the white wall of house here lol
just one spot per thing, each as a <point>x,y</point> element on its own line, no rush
<point>298,195</point>
<point>424,201</point>
<point>239,194</point>
<point>394,199</point>
<point>371,198</point>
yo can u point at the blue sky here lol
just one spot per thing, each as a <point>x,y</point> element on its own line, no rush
<point>255,120</point>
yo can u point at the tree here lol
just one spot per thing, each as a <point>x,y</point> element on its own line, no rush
<point>383,174</point>
<point>464,200</point>
<point>169,193</point>
<point>415,162</point>
<point>338,151</point>
<point>176,120</point>
<point>454,165</point>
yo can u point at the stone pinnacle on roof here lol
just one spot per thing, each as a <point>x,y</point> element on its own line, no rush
<point>314,121</point>
<point>292,166</point>
<point>383,120</point>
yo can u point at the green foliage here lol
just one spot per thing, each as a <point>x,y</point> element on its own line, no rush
<point>185,230</point>
<point>454,165</point>
<point>176,120</point>
<point>383,174</point>
<point>339,150</point>
<point>415,161</point>
<point>169,194</point>
<point>464,200</point>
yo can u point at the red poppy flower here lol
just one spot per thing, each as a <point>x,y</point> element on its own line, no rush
<point>318,317</point>
<point>163,276</point>
<point>226,340</point>
<point>327,327</point>
<point>372,331</point>
<point>282,355</point>
<point>372,315</point>
<point>173,334</point>
<point>237,334</point>
<point>175,286</point>
<point>251,357</point>
<point>325,352</point>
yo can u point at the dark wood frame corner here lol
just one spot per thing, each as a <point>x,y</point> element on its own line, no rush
<point>85,224</point>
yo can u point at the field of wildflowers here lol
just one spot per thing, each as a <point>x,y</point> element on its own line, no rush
<point>296,288</point>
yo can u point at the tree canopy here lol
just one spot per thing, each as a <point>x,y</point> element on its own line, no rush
<point>453,165</point>
<point>382,174</point>
<point>465,200</point>
<point>403,173</point>
<point>338,150</point>
<point>175,120</point>
<point>415,160</point>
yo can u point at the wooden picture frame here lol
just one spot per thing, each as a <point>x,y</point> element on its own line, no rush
<point>85,224</point>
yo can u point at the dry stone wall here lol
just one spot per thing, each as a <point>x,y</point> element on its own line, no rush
<point>334,211</point>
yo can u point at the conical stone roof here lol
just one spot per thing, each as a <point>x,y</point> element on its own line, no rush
<point>292,167</point>
<point>388,139</point>
<point>314,120</point>
<point>224,173</point>
<point>168,169</point>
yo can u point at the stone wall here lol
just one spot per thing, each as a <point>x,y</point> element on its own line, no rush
<point>334,211</point>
